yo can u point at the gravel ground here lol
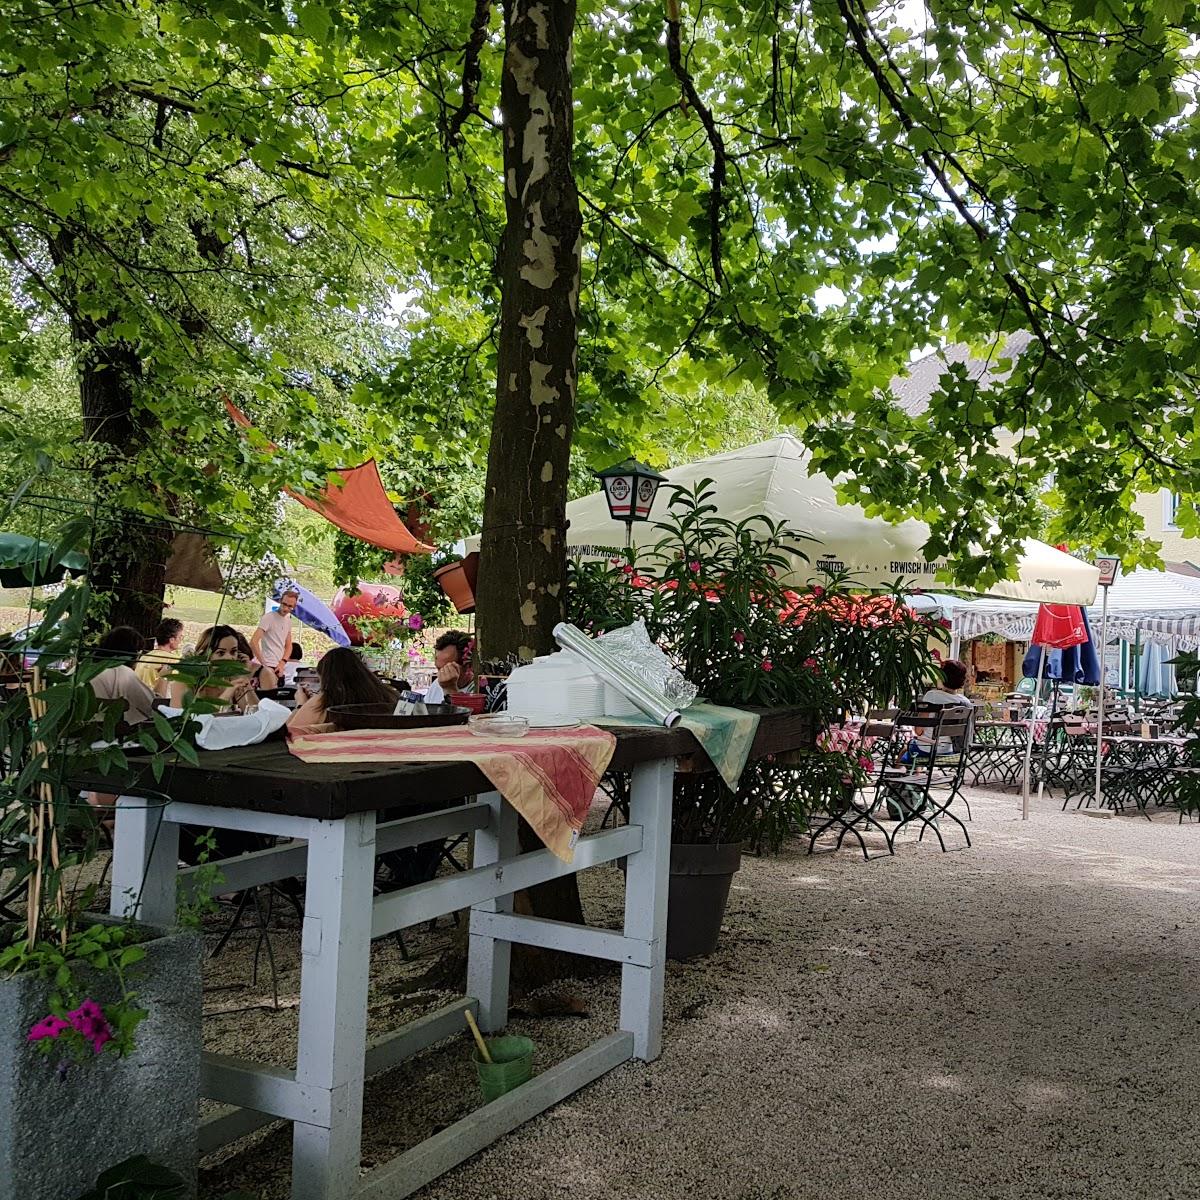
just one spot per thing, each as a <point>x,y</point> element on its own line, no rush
<point>1015,1020</point>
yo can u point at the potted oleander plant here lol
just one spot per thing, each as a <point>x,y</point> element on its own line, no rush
<point>99,1017</point>
<point>711,596</point>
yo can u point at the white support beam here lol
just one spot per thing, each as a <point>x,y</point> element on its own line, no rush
<point>282,862</point>
<point>244,819</point>
<point>264,1088</point>
<point>145,856</point>
<point>390,1049</point>
<point>562,935</point>
<point>412,906</point>
<point>489,960</point>
<point>227,1125</point>
<point>257,1094</point>
<point>411,1171</point>
<point>647,878</point>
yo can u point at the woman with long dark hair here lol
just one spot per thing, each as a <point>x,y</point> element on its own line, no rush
<point>222,644</point>
<point>345,679</point>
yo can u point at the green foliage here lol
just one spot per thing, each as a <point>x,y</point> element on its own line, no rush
<point>197,898</point>
<point>711,596</point>
<point>290,206</point>
<point>138,1178</point>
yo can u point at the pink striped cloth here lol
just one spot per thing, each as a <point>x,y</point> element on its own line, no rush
<point>549,776</point>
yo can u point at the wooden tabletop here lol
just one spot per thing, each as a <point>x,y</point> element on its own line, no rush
<point>268,778</point>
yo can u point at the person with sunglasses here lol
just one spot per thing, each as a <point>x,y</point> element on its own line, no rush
<point>272,640</point>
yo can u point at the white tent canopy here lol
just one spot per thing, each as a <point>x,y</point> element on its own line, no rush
<point>1154,606</point>
<point>772,478</point>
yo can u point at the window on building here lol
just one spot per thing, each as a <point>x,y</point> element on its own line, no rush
<point>1171,502</point>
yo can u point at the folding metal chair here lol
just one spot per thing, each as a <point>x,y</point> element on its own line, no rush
<point>919,784</point>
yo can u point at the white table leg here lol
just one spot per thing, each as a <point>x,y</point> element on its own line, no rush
<point>145,861</point>
<point>335,971</point>
<point>646,880</point>
<point>488,958</point>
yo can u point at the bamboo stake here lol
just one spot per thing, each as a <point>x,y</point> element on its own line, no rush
<point>484,1052</point>
<point>42,820</point>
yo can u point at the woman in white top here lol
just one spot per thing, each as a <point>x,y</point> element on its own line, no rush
<point>123,645</point>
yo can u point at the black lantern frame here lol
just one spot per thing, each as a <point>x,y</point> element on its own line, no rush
<point>630,489</point>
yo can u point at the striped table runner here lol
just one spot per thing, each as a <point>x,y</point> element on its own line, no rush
<point>549,776</point>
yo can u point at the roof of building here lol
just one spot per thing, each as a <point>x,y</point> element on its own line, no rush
<point>913,389</point>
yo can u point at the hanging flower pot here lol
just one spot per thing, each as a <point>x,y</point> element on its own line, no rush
<point>458,580</point>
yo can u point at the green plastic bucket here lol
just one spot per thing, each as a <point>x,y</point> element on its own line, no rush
<point>511,1066</point>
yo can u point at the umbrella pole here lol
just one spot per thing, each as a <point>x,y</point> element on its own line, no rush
<point>1046,741</point>
<point>1103,680</point>
<point>1029,739</point>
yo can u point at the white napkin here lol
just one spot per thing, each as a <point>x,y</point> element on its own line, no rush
<point>222,733</point>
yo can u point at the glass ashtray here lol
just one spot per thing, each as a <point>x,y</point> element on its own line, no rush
<point>498,725</point>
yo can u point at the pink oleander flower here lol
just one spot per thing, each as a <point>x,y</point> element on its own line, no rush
<point>767,665</point>
<point>626,570</point>
<point>818,592</point>
<point>812,664</point>
<point>694,567</point>
<point>416,621</point>
<point>739,638</point>
<point>865,762</point>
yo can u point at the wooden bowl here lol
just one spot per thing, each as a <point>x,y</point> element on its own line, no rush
<point>380,716</point>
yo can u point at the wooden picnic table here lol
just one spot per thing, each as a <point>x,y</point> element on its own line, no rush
<point>335,819</point>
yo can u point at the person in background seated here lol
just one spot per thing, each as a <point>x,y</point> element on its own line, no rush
<point>153,667</point>
<point>294,663</point>
<point>123,645</point>
<point>271,642</point>
<point>452,657</point>
<point>345,679</point>
<point>949,695</point>
<point>223,643</point>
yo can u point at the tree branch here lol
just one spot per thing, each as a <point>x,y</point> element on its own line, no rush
<point>472,73</point>
<point>694,100</point>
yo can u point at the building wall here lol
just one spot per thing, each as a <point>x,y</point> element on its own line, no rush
<point>1155,511</point>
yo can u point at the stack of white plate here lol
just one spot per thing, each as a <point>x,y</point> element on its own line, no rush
<point>555,690</point>
<point>615,704</point>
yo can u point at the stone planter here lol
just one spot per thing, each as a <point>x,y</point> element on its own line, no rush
<point>58,1134</point>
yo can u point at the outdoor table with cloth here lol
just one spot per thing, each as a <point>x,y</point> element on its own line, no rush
<point>341,815</point>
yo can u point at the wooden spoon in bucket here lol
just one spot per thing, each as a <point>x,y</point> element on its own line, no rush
<point>483,1050</point>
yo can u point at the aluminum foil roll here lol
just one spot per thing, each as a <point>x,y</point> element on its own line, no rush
<point>618,674</point>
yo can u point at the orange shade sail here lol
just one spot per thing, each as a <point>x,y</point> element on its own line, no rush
<point>359,505</point>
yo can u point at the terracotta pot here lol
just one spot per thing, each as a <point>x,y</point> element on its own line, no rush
<point>458,580</point>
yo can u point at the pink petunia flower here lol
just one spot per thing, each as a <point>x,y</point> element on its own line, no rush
<point>416,621</point>
<point>48,1027</point>
<point>91,1024</point>
<point>767,665</point>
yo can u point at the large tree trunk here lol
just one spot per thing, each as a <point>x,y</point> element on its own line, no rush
<point>522,570</point>
<point>128,557</point>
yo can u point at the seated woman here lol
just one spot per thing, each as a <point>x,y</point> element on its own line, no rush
<point>222,644</point>
<point>123,645</point>
<point>344,679</point>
